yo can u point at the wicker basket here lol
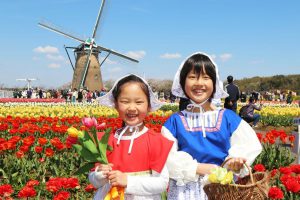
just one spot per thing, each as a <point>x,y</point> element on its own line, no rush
<point>254,186</point>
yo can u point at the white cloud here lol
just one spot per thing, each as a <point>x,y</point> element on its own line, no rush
<point>46,49</point>
<point>54,65</point>
<point>114,69</point>
<point>226,56</point>
<point>136,54</point>
<point>170,55</point>
<point>55,57</point>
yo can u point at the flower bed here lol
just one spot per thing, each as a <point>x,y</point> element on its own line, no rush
<point>24,100</point>
<point>36,159</point>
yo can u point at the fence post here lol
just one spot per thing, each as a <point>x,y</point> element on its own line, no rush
<point>296,148</point>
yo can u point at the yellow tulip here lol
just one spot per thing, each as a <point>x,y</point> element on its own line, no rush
<point>228,178</point>
<point>73,132</point>
<point>213,178</point>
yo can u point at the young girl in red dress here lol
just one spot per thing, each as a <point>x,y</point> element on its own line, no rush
<point>137,161</point>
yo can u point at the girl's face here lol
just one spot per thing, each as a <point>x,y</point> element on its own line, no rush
<point>198,89</point>
<point>132,104</point>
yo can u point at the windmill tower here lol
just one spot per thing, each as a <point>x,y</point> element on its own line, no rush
<point>86,72</point>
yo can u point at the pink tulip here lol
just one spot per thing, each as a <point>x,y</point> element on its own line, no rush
<point>89,122</point>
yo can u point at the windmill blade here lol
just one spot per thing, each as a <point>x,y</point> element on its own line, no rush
<point>21,79</point>
<point>86,66</point>
<point>60,32</point>
<point>115,53</point>
<point>69,55</point>
<point>98,18</point>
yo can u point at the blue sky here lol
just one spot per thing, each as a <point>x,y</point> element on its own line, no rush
<point>245,37</point>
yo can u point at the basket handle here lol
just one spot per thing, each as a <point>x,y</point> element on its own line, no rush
<point>245,164</point>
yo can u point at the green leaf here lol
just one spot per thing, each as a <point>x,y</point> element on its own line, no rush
<point>3,173</point>
<point>89,144</point>
<point>87,155</point>
<point>103,145</point>
<point>15,174</point>
<point>86,136</point>
<point>84,169</point>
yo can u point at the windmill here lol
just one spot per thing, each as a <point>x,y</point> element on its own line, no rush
<point>86,72</point>
<point>29,80</point>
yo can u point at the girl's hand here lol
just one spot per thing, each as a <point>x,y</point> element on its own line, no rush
<point>117,178</point>
<point>235,164</point>
<point>205,168</point>
<point>104,168</point>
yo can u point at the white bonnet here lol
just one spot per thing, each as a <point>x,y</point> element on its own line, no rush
<point>178,91</point>
<point>109,101</point>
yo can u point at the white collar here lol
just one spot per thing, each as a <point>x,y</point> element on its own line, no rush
<point>135,134</point>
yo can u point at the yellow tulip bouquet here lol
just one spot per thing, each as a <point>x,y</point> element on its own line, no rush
<point>220,175</point>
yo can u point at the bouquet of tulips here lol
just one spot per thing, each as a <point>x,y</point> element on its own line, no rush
<point>92,149</point>
<point>220,175</point>
<point>88,145</point>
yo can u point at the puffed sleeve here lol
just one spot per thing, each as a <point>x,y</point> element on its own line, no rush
<point>244,143</point>
<point>182,167</point>
<point>99,181</point>
<point>97,178</point>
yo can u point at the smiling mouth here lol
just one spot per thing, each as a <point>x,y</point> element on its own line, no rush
<point>130,116</point>
<point>198,91</point>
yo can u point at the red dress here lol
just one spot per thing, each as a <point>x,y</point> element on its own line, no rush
<point>149,152</point>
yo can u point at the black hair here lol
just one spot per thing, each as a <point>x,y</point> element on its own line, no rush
<point>199,63</point>
<point>251,99</point>
<point>229,79</point>
<point>131,78</point>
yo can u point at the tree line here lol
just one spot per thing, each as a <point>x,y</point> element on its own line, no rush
<point>277,82</point>
<point>248,85</point>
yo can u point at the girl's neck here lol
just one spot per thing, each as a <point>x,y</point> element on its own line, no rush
<point>208,106</point>
<point>130,131</point>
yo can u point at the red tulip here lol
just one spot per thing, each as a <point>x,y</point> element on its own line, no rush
<point>27,192</point>
<point>275,193</point>
<point>38,149</point>
<point>49,152</point>
<point>6,190</point>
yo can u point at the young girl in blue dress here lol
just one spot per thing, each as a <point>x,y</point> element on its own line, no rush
<point>204,136</point>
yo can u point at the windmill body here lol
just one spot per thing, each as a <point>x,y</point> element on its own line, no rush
<point>93,80</point>
<point>86,72</point>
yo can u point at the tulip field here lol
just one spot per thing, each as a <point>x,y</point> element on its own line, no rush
<point>37,160</point>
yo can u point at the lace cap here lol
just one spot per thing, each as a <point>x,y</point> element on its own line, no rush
<point>109,101</point>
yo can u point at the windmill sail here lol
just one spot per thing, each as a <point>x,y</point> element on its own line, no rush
<point>87,68</point>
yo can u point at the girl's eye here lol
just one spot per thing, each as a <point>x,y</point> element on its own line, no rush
<point>124,102</point>
<point>140,102</point>
<point>192,76</point>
